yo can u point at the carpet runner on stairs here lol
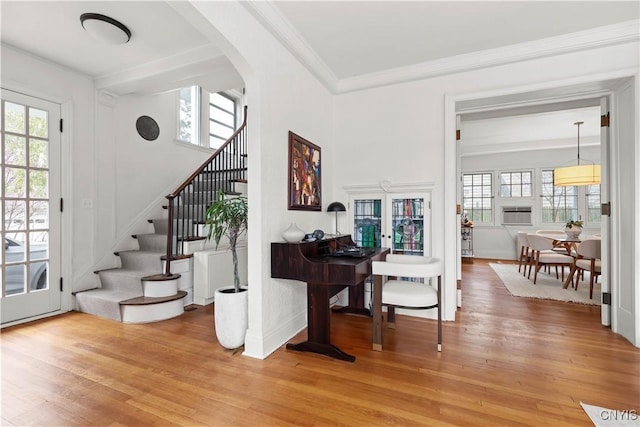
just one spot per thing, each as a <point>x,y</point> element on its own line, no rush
<point>124,285</point>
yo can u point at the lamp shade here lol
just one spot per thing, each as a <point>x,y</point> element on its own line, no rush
<point>576,175</point>
<point>105,28</point>
<point>336,207</point>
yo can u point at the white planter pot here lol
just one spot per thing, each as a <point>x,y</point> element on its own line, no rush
<point>231,314</point>
<point>573,232</point>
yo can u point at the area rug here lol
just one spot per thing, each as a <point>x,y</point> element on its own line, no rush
<point>546,287</point>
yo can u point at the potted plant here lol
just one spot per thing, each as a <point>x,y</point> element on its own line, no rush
<point>573,229</point>
<point>228,216</point>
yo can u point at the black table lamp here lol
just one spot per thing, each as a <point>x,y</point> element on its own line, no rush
<point>336,207</point>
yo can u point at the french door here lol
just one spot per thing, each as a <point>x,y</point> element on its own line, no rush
<point>30,194</point>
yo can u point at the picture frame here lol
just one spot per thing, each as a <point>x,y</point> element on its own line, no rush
<point>305,177</point>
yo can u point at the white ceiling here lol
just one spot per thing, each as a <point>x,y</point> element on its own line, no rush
<point>339,41</point>
<point>362,37</point>
<point>345,38</point>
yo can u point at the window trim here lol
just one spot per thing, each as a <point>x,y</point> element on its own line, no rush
<point>492,175</point>
<point>203,117</point>
<point>515,198</point>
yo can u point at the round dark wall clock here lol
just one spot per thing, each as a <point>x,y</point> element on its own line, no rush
<point>147,128</point>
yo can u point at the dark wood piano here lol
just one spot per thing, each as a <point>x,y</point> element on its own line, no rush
<point>325,275</point>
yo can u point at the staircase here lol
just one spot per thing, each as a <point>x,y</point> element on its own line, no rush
<point>143,288</point>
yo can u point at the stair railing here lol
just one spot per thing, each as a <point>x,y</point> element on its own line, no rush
<point>187,205</point>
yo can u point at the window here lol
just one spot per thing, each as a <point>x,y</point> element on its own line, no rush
<point>516,184</point>
<point>477,197</point>
<point>206,119</point>
<point>593,204</point>
<point>222,118</point>
<point>188,111</point>
<point>559,204</point>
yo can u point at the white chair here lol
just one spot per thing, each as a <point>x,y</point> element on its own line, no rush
<point>589,252</point>
<point>415,295</point>
<point>543,255</point>
<point>525,252</point>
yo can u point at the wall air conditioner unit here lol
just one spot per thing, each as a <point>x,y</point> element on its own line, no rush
<point>516,215</point>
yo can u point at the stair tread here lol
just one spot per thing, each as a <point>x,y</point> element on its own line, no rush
<point>129,272</point>
<point>161,277</point>
<point>153,300</point>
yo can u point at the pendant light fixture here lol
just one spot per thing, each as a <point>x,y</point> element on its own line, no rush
<point>585,174</point>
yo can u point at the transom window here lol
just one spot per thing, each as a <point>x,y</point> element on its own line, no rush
<point>516,184</point>
<point>477,196</point>
<point>206,119</point>
<point>559,204</point>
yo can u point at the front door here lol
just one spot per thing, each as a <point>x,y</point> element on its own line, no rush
<point>30,226</point>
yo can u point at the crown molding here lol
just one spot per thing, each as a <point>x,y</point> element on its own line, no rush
<point>609,35</point>
<point>275,22</point>
<point>279,26</point>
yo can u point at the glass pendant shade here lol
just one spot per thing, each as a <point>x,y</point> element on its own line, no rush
<point>566,176</point>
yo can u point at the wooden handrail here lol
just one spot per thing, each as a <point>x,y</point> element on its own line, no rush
<point>210,159</point>
<point>221,165</point>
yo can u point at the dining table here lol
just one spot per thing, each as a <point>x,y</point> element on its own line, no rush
<point>570,244</point>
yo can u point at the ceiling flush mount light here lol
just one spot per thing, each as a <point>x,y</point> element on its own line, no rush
<point>104,28</point>
<point>586,174</point>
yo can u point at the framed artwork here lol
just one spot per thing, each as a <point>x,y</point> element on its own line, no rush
<point>305,184</point>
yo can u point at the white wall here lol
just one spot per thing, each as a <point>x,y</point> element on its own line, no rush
<point>282,96</point>
<point>74,91</point>
<point>397,132</point>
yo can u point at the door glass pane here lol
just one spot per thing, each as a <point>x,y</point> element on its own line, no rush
<point>38,276</point>
<point>408,223</point>
<point>14,244</point>
<point>14,182</point>
<point>15,215</point>
<point>15,150</point>
<point>38,124</point>
<point>38,184</point>
<point>38,215</point>
<point>14,118</point>
<point>38,153</point>
<point>38,245</point>
<point>367,216</point>
<point>15,279</point>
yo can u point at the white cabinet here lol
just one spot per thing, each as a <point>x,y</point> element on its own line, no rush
<point>213,269</point>
<point>399,221</point>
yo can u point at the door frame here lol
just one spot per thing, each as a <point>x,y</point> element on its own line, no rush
<point>452,155</point>
<point>66,221</point>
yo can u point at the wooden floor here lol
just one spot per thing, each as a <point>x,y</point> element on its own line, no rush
<point>506,361</point>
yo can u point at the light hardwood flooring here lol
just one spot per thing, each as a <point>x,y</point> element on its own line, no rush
<point>505,361</point>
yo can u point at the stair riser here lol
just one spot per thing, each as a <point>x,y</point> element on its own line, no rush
<point>152,242</point>
<point>151,313</point>
<point>164,288</point>
<point>143,261</point>
<point>111,280</point>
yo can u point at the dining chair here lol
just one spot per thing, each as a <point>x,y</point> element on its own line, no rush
<point>410,294</point>
<point>588,259</point>
<point>525,252</point>
<point>543,254</point>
